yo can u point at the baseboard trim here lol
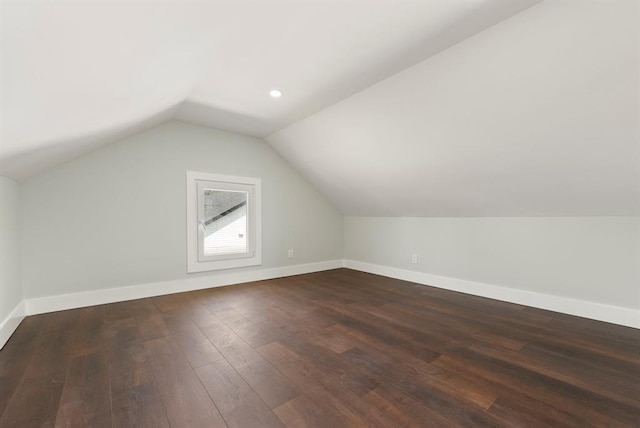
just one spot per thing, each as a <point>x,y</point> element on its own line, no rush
<point>11,323</point>
<point>110,295</point>
<point>597,311</point>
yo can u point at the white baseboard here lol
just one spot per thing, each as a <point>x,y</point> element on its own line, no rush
<point>110,295</point>
<point>597,311</point>
<point>613,314</point>
<point>11,323</point>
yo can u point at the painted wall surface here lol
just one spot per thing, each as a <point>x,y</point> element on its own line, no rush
<point>585,258</point>
<point>10,272</point>
<point>117,216</point>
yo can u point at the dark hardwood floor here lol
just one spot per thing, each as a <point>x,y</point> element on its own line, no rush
<point>331,349</point>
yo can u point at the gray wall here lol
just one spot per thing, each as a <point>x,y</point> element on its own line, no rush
<point>117,216</point>
<point>595,259</point>
<point>10,280</point>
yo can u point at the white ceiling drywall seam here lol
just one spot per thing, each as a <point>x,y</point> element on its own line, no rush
<point>23,165</point>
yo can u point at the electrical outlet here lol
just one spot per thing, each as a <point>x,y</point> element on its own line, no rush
<point>290,254</point>
<point>414,258</point>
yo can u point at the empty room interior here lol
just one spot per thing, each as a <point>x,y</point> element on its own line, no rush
<point>320,213</point>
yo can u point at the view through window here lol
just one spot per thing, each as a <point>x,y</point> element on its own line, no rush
<point>223,221</point>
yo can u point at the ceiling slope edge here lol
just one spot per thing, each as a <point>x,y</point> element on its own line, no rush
<point>22,165</point>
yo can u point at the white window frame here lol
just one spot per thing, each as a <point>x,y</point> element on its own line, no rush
<point>196,261</point>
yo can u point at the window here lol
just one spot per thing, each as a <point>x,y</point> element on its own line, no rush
<point>223,222</point>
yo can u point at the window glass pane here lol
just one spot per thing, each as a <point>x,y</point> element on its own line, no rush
<point>225,222</point>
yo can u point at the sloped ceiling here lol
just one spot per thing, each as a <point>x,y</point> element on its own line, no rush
<point>390,107</point>
<point>79,74</point>
<point>536,116</point>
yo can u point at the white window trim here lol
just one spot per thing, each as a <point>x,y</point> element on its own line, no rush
<point>193,264</point>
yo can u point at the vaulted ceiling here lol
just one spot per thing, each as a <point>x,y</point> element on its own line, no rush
<point>78,74</point>
<point>390,107</point>
<point>536,116</point>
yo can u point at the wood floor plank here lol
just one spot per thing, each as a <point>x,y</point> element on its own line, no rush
<point>384,413</point>
<point>86,398</point>
<point>301,372</point>
<point>368,410</point>
<point>30,328</point>
<point>332,366</point>
<point>334,348</point>
<point>442,403</point>
<point>414,408</point>
<point>152,326</point>
<point>193,343</point>
<point>119,310</point>
<point>251,333</point>
<point>35,399</point>
<point>14,361</point>
<point>87,333</point>
<point>520,409</point>
<point>62,321</point>
<point>413,341</point>
<point>134,396</point>
<point>184,399</point>
<point>129,366</point>
<point>571,372</point>
<point>268,383</point>
<point>307,411</point>
<point>119,331</point>
<point>471,388</point>
<point>585,405</point>
<point>139,407</point>
<point>231,346</point>
<point>237,401</point>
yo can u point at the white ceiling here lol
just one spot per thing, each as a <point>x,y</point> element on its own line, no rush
<point>79,74</point>
<point>536,116</point>
<point>390,107</point>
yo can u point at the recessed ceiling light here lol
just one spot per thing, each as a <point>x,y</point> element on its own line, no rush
<point>275,93</point>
